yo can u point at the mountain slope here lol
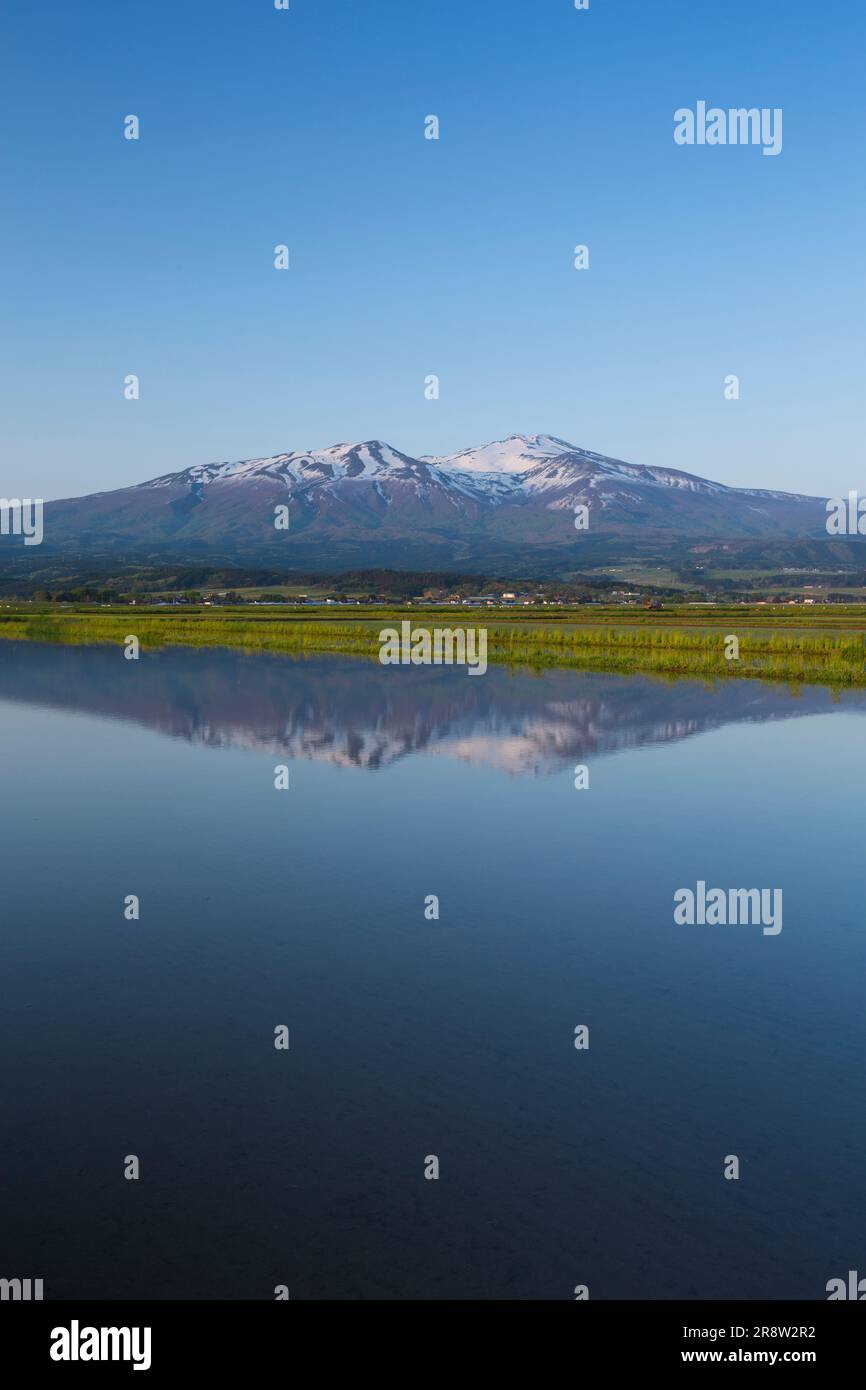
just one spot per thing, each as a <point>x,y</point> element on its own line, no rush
<point>368,504</point>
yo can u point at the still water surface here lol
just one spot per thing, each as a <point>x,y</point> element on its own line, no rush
<point>412,1037</point>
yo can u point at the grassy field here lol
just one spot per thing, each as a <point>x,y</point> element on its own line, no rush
<point>826,644</point>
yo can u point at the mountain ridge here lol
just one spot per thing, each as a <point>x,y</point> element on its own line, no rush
<point>368,458</point>
<point>368,503</point>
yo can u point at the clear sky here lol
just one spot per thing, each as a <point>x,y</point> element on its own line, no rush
<point>410,256</point>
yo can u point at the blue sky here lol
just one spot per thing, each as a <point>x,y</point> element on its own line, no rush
<point>411,257</point>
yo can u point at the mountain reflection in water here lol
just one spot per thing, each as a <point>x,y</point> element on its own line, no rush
<point>360,714</point>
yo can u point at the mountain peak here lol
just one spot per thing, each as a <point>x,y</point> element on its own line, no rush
<point>515,454</point>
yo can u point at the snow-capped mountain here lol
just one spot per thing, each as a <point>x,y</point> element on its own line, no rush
<point>516,454</point>
<point>367,503</point>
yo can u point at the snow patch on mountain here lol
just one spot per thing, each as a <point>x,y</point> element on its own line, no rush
<point>516,454</point>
